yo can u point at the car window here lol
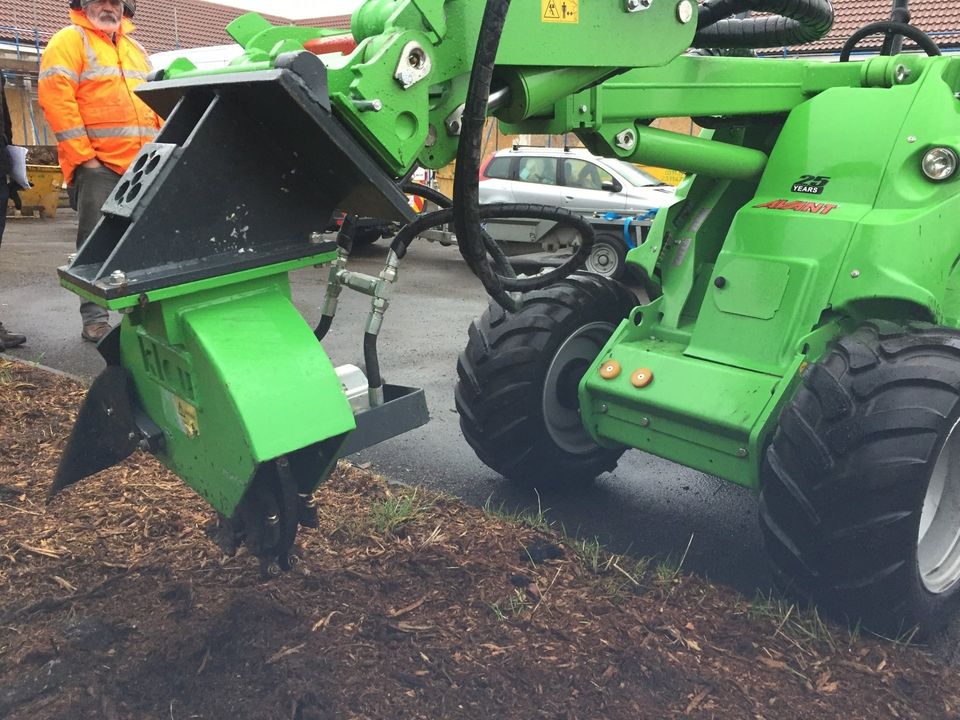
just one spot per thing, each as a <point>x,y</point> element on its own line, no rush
<point>584,175</point>
<point>537,170</point>
<point>499,168</point>
<point>634,175</point>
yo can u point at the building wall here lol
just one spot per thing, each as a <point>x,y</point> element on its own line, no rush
<point>20,67</point>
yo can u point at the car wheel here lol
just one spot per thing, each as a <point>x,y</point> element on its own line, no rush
<point>366,236</point>
<point>608,256</point>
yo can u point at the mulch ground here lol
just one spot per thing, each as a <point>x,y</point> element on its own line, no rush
<point>115,604</point>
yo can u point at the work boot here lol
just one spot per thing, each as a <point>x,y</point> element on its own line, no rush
<point>10,340</point>
<point>95,332</point>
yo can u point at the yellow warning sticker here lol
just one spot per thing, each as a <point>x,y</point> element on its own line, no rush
<point>560,11</point>
<point>187,414</point>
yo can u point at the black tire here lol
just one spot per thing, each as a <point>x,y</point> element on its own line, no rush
<point>608,256</point>
<point>512,371</point>
<point>846,476</point>
<point>366,236</point>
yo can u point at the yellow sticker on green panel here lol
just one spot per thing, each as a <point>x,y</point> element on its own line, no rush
<point>560,11</point>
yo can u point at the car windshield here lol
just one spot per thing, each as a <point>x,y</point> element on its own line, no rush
<point>634,175</point>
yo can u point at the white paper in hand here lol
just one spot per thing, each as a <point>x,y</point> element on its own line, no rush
<point>18,165</point>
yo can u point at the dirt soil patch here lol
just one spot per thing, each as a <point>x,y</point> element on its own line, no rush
<point>116,604</point>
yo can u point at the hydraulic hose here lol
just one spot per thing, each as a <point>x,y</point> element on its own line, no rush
<point>348,229</point>
<point>372,361</point>
<point>427,193</point>
<point>467,211</point>
<point>500,260</point>
<point>791,22</point>
<point>326,322</point>
<point>488,212</point>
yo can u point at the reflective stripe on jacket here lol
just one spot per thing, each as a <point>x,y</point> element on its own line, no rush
<point>86,92</point>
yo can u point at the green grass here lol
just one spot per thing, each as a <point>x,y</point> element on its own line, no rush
<point>535,519</point>
<point>621,575</point>
<point>389,515</point>
<point>668,571</point>
<point>801,626</point>
<point>590,552</point>
<point>512,607</point>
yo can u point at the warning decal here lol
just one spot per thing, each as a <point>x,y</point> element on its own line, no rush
<point>187,415</point>
<point>560,11</point>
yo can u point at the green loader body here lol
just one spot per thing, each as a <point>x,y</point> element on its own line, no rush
<point>758,277</point>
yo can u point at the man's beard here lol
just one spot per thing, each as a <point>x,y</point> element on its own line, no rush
<point>107,20</point>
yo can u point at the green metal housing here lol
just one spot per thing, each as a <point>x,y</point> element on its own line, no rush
<point>757,276</point>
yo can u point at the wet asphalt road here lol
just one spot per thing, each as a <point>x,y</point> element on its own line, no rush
<point>648,506</point>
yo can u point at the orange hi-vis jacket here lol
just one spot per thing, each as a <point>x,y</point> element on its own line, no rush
<point>86,92</point>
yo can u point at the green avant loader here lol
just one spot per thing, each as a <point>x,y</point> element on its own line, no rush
<point>801,333</point>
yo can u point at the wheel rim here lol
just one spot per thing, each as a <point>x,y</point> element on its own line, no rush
<point>561,406</point>
<point>938,546</point>
<point>603,260</point>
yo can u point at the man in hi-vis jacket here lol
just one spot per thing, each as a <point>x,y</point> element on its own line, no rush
<point>87,77</point>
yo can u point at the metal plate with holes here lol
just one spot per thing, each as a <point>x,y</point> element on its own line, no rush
<point>136,185</point>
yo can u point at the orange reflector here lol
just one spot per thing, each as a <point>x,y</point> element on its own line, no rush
<point>416,202</point>
<point>641,378</point>
<point>610,369</point>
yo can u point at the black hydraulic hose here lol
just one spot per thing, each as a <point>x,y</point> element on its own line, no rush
<point>467,211</point>
<point>791,22</point>
<point>489,212</point>
<point>372,360</point>
<point>466,182</point>
<point>500,261</point>
<point>326,321</point>
<point>427,193</point>
<point>348,228</point>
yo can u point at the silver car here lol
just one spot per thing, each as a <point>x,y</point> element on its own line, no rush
<point>617,198</point>
<point>574,179</point>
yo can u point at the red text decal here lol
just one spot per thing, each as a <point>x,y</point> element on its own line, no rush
<point>799,206</point>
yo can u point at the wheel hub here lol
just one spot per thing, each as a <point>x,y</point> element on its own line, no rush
<point>938,542</point>
<point>602,260</point>
<point>561,405</point>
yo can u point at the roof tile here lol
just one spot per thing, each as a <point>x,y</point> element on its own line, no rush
<point>160,25</point>
<point>194,23</point>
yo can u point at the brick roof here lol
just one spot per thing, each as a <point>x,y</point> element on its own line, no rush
<point>940,18</point>
<point>171,24</point>
<point>161,24</point>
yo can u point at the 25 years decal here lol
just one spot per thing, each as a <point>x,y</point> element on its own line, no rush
<point>810,184</point>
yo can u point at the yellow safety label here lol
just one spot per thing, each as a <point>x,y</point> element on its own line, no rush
<point>187,415</point>
<point>560,11</point>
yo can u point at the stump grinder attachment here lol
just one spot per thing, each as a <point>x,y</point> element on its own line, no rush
<point>213,369</point>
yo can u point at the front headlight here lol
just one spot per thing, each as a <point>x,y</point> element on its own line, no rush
<point>940,163</point>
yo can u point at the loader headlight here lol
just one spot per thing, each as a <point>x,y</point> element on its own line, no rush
<point>940,163</point>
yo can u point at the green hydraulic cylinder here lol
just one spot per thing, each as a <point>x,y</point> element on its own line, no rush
<point>690,154</point>
<point>536,90</point>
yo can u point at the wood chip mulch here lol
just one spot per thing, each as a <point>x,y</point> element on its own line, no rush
<point>115,604</point>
